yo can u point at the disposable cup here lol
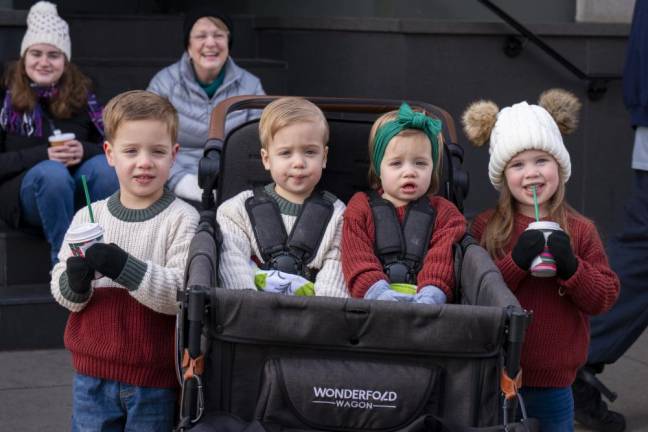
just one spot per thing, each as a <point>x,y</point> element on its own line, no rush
<point>59,138</point>
<point>403,288</point>
<point>544,265</point>
<point>81,237</point>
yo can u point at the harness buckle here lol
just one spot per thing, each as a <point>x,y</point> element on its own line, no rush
<point>285,262</point>
<point>398,272</point>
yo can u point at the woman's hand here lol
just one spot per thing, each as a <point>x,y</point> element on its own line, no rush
<point>75,152</point>
<point>59,154</point>
<point>69,153</point>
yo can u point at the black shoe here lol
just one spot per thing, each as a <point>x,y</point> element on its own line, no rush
<point>591,411</point>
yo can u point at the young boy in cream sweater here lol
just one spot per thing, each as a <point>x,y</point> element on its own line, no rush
<point>294,135</point>
<point>121,329</point>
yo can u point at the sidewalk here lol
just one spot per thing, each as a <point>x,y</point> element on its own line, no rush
<point>35,389</point>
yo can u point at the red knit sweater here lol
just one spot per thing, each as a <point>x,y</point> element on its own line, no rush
<point>556,342</point>
<point>117,338</point>
<point>361,266</point>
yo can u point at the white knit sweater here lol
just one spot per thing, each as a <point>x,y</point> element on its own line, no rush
<point>239,245</point>
<point>156,238</point>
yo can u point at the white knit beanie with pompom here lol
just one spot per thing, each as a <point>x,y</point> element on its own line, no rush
<point>45,26</point>
<point>524,127</point>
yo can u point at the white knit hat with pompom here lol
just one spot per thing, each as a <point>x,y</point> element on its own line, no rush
<point>45,26</point>
<point>523,127</point>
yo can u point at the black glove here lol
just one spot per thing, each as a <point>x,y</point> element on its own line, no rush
<point>107,259</point>
<point>528,246</point>
<point>79,274</point>
<point>560,248</point>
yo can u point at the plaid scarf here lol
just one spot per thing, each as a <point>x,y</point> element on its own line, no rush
<point>31,123</point>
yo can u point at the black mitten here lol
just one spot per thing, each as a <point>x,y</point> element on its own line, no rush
<point>560,248</point>
<point>79,274</point>
<point>528,246</point>
<point>107,259</point>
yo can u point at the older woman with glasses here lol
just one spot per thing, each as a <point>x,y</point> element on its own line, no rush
<point>204,76</point>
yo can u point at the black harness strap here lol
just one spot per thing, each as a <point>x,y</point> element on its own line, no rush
<point>310,226</point>
<point>292,253</point>
<point>265,217</point>
<point>401,250</point>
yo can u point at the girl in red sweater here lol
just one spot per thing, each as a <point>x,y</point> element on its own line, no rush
<point>405,152</point>
<point>527,158</point>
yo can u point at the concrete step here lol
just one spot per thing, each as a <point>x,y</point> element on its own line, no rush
<point>31,321</point>
<point>24,261</point>
<point>29,316</point>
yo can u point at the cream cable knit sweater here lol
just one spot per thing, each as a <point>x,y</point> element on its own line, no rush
<point>239,244</point>
<point>157,239</point>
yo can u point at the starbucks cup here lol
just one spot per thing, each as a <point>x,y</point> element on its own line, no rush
<point>81,237</point>
<point>59,138</point>
<point>544,265</point>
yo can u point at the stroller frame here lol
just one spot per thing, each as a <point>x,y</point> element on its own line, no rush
<point>476,275</point>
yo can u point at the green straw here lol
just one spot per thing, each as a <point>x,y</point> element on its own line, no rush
<point>87,195</point>
<point>535,204</point>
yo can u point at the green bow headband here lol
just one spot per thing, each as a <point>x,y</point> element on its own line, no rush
<point>407,119</point>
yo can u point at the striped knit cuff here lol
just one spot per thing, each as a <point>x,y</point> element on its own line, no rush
<point>70,295</point>
<point>132,274</point>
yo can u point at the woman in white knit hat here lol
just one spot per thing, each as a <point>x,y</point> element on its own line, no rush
<point>530,165</point>
<point>43,93</point>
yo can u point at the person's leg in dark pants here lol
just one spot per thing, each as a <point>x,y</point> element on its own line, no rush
<point>614,332</point>
<point>553,407</point>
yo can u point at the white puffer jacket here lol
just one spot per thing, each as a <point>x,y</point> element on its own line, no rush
<point>178,83</point>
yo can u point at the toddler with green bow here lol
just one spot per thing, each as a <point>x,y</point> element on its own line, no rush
<point>397,240</point>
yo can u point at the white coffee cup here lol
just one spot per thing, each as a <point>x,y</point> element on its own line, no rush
<point>81,237</point>
<point>544,265</point>
<point>59,138</point>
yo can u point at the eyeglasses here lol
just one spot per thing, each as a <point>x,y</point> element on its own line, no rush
<point>204,35</point>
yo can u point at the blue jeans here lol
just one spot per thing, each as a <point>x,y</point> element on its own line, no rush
<point>552,406</point>
<point>615,331</point>
<point>48,190</point>
<point>109,406</point>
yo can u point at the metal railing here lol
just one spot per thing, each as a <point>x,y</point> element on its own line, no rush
<point>596,83</point>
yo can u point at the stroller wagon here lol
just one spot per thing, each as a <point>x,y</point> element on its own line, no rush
<point>266,362</point>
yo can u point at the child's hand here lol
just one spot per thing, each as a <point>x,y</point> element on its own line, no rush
<point>79,274</point>
<point>275,281</point>
<point>381,291</point>
<point>528,246</point>
<point>560,247</point>
<point>107,259</point>
<point>430,294</point>
<point>391,295</point>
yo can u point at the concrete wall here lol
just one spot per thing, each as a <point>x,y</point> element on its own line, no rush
<point>451,65</point>
<point>452,10</point>
<point>461,10</point>
<point>608,11</point>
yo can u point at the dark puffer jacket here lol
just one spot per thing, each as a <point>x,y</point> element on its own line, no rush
<point>19,153</point>
<point>635,72</point>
